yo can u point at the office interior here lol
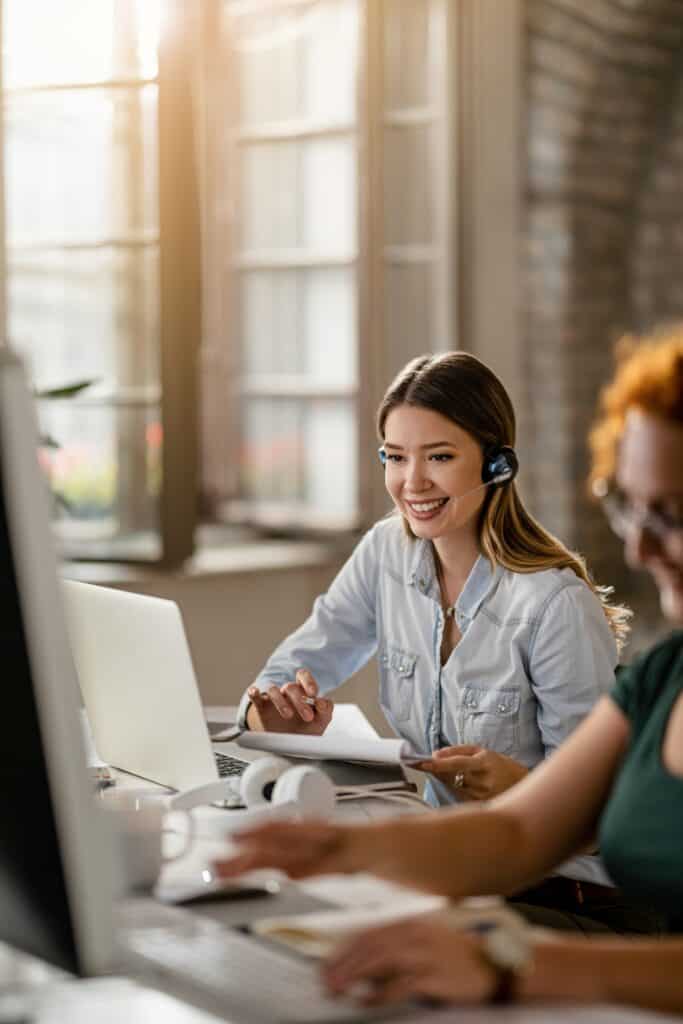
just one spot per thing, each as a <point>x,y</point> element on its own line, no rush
<point>228,223</point>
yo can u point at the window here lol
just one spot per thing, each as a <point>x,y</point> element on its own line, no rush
<point>331,245</point>
<point>322,134</point>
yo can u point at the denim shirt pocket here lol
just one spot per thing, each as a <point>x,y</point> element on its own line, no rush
<point>490,718</point>
<point>397,681</point>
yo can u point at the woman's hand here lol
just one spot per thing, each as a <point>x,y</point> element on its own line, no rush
<point>421,957</point>
<point>300,850</point>
<point>472,772</point>
<point>284,708</point>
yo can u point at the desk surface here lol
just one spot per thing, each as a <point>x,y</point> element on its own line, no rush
<point>53,1000</point>
<point>117,1000</point>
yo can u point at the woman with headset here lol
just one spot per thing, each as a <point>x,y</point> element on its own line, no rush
<point>618,777</point>
<point>493,643</point>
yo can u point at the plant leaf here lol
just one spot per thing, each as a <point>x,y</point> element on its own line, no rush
<point>68,390</point>
<point>45,441</point>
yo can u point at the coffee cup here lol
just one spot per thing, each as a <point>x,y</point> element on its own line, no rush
<point>139,825</point>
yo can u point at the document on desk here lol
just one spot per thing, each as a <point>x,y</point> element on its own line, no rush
<point>316,934</point>
<point>333,748</point>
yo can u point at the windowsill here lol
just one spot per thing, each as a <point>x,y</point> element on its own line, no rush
<point>244,557</point>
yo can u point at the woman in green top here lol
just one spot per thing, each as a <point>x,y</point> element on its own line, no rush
<point>617,779</point>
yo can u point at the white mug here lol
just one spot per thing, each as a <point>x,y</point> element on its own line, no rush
<point>139,818</point>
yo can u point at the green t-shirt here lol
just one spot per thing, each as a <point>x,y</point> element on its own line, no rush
<point>641,831</point>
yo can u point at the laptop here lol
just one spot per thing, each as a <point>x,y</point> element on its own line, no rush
<point>59,863</point>
<point>139,687</point>
<point>141,696</point>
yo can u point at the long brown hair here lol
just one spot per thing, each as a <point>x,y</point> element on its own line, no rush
<point>460,387</point>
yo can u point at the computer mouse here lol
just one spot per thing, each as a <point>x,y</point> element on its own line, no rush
<point>214,890</point>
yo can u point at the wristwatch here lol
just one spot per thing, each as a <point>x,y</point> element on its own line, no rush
<point>507,949</point>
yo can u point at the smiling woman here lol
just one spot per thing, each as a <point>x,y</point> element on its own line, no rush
<point>620,777</point>
<point>492,642</point>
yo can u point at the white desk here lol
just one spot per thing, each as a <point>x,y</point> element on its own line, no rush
<point>55,999</point>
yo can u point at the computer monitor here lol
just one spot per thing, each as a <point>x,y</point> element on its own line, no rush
<point>56,863</point>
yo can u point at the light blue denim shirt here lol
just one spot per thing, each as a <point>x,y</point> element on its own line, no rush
<point>536,652</point>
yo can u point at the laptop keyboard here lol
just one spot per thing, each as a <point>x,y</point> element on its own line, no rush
<point>233,969</point>
<point>229,765</point>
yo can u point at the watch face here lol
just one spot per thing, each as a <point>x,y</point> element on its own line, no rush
<point>508,947</point>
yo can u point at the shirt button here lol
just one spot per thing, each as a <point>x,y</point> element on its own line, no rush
<point>502,707</point>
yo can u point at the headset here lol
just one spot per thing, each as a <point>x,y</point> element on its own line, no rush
<point>500,464</point>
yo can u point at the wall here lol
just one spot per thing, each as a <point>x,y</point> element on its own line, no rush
<point>603,232</point>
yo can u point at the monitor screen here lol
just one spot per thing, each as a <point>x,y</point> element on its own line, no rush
<point>57,872</point>
<point>34,910</point>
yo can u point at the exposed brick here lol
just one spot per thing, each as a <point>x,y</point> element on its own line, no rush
<point>603,228</point>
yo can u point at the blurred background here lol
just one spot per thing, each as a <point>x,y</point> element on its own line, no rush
<point>235,220</point>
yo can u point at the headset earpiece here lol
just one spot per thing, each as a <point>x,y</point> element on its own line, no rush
<point>382,457</point>
<point>500,465</point>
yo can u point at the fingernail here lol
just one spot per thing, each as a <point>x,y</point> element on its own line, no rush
<point>307,714</point>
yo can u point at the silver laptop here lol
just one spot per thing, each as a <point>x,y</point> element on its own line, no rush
<point>139,687</point>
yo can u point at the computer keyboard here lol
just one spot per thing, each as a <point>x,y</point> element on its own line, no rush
<point>237,970</point>
<point>229,765</point>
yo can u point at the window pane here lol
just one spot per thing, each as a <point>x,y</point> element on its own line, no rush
<point>81,166</point>
<point>78,315</point>
<point>305,452</point>
<point>295,63</point>
<point>105,475</point>
<point>82,253</point>
<point>56,41</point>
<point>299,195</point>
<point>300,322</point>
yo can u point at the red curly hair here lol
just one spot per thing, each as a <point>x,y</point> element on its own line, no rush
<point>649,377</point>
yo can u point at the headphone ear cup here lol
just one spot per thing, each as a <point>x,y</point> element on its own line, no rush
<point>258,781</point>
<point>310,789</point>
<point>500,465</point>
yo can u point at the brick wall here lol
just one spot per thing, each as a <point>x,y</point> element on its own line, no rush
<point>603,236</point>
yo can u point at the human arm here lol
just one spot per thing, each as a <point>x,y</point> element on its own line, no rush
<point>499,847</point>
<point>572,659</point>
<point>335,641</point>
<point>427,957</point>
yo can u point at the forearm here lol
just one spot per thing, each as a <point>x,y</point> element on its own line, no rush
<point>646,973</point>
<point>465,852</point>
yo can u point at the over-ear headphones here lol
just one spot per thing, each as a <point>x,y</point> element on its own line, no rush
<point>270,781</point>
<point>500,465</point>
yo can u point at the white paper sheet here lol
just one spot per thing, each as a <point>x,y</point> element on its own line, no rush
<point>337,747</point>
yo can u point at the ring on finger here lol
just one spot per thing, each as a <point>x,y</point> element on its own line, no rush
<point>458,780</point>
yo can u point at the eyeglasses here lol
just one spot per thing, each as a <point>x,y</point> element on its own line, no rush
<point>624,516</point>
